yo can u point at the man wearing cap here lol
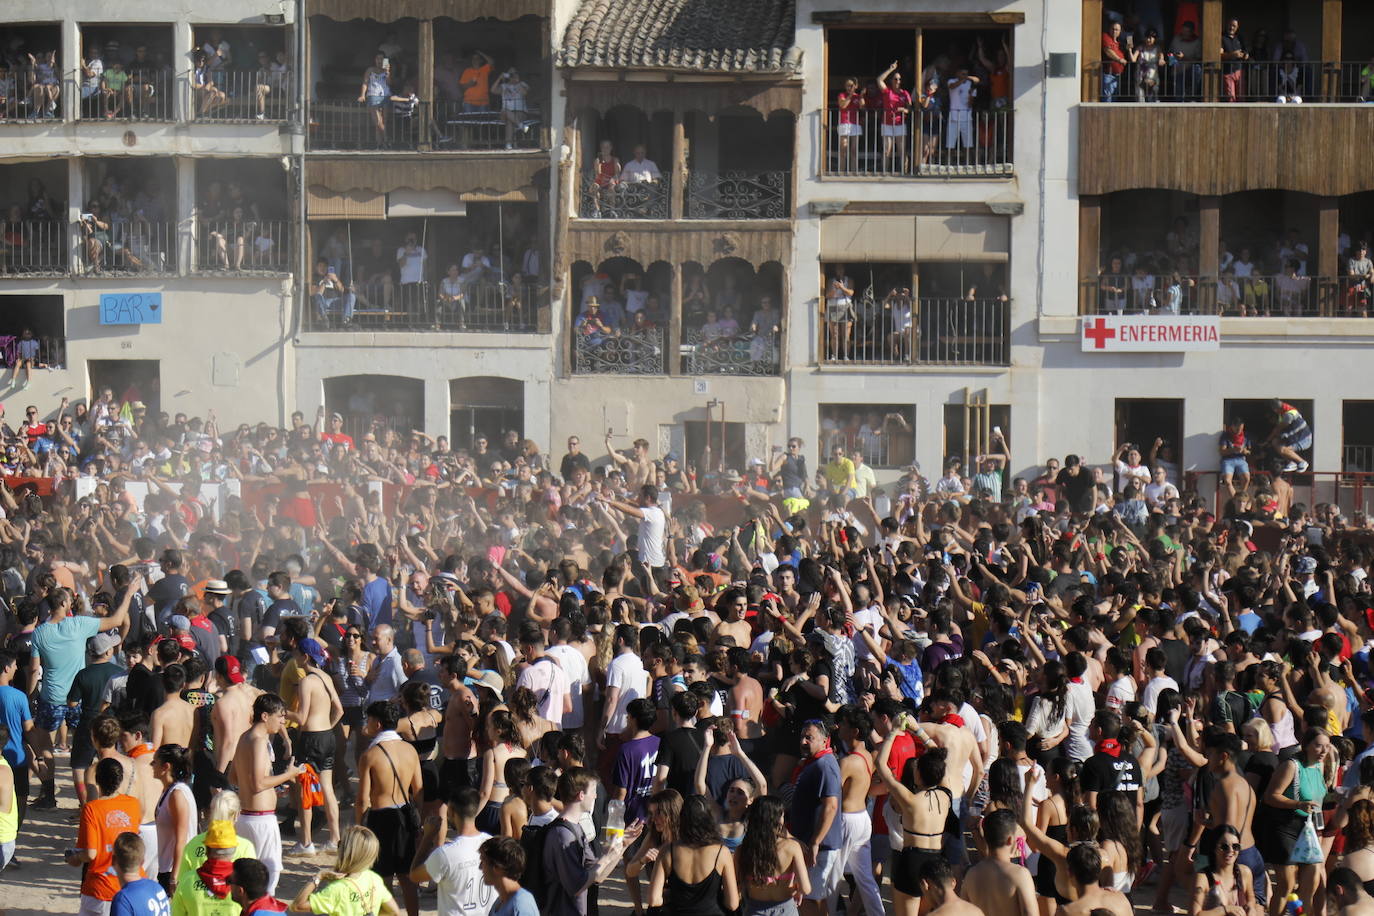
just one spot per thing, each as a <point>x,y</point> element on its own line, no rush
<point>231,715</point>
<point>316,711</point>
<point>207,892</point>
<point>84,698</point>
<point>336,437</point>
<point>215,612</point>
<point>258,785</point>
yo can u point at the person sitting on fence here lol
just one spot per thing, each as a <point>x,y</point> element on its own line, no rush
<point>91,72</point>
<point>142,86</point>
<point>208,95</point>
<point>26,356</point>
<point>513,92</point>
<point>267,78</point>
<point>452,297</point>
<point>329,293</point>
<point>115,87</point>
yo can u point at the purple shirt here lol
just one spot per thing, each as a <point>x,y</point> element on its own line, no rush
<point>634,772</point>
<point>937,653</point>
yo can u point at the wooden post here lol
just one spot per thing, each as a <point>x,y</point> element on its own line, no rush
<point>1209,253</point>
<point>1324,269</point>
<point>1211,50</point>
<point>678,189</point>
<point>1089,251</point>
<point>425,89</point>
<point>1092,50</point>
<point>673,358</point>
<point>1331,51</point>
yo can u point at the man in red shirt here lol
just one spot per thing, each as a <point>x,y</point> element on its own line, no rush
<point>336,436</point>
<point>1113,61</point>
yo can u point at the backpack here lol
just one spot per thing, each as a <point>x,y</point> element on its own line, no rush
<point>533,840</point>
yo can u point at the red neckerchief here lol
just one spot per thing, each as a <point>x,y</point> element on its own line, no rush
<point>807,761</point>
<point>141,750</point>
<point>954,719</point>
<point>215,873</point>
<point>1109,746</point>
<point>268,904</point>
<point>1075,680</point>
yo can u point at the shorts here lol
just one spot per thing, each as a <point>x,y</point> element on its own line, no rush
<point>429,780</point>
<point>1173,826</point>
<point>850,130</point>
<point>83,749</point>
<point>395,839</point>
<point>955,851</point>
<point>786,907</point>
<point>50,716</point>
<point>1252,860</point>
<point>894,130</point>
<point>826,874</point>
<point>460,774</point>
<point>906,877</point>
<point>316,749</point>
<point>839,310</point>
<point>377,101</point>
<point>1297,443</point>
<point>264,833</point>
<point>93,907</point>
<point>1234,464</point>
<point>352,717</point>
<point>6,854</point>
<point>148,833</point>
<point>489,818</point>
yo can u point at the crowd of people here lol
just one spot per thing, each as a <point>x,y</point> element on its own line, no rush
<point>761,691</point>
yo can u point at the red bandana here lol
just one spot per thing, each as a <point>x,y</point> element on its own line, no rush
<point>1075,680</point>
<point>954,719</point>
<point>1109,746</point>
<point>215,873</point>
<point>807,761</point>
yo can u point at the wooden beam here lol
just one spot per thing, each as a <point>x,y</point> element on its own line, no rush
<point>1209,251</point>
<point>1211,49</point>
<point>1092,49</point>
<point>1331,50</point>
<point>1327,262</point>
<point>673,357</point>
<point>863,20</point>
<point>678,190</point>
<point>917,208</point>
<point>1089,248</point>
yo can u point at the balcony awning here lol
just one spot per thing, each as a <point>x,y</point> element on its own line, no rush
<point>322,203</point>
<point>911,238</point>
<point>461,10</point>
<point>505,177</point>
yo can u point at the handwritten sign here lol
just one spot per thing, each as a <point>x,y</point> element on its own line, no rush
<point>131,308</point>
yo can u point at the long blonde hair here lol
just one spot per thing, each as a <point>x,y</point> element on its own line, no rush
<point>358,848</point>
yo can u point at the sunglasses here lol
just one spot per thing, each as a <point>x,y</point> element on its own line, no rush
<point>353,636</point>
<point>1228,847</point>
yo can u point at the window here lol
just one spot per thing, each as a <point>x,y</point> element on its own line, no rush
<point>1141,421</point>
<point>969,429</point>
<point>704,439</point>
<point>1357,432</point>
<point>484,407</point>
<point>1259,420</point>
<point>128,380</point>
<point>886,433</point>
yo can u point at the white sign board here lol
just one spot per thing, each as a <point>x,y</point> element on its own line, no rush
<point>1150,333</point>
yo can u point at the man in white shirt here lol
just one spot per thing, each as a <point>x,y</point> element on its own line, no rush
<point>1154,663</point>
<point>545,677</point>
<point>626,680</point>
<point>1079,708</point>
<point>639,168</point>
<point>864,478</point>
<point>653,526</point>
<point>452,866</point>
<point>388,674</point>
<point>410,258</point>
<point>574,665</point>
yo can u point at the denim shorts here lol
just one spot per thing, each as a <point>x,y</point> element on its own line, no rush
<point>50,716</point>
<point>1235,464</point>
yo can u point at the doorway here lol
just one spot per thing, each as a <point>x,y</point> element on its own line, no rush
<point>734,451</point>
<point>376,404</point>
<point>1357,436</point>
<point>1140,421</point>
<point>484,406</point>
<point>129,379</point>
<point>1259,422</point>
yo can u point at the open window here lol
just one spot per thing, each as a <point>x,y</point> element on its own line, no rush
<point>1141,421</point>
<point>1259,420</point>
<point>1357,436</point>
<point>885,433</point>
<point>969,428</point>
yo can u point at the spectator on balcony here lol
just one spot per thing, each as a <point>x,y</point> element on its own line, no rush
<point>931,106</point>
<point>764,328</point>
<point>1142,290</point>
<point>998,72</point>
<point>217,52</point>
<point>1148,58</point>
<point>1181,241</point>
<point>1228,292</point>
<point>729,324</point>
<point>1175,293</point>
<point>713,331</point>
<point>1113,61</point>
<point>446,78</point>
<point>988,285</point>
<point>46,86</point>
<point>11,98</point>
<point>405,109</point>
<point>898,306</point>
<point>114,88</point>
<point>513,91</point>
<point>271,76</point>
<point>896,104</point>
<point>95,234</point>
<point>1293,248</point>
<point>589,325</point>
<point>410,262</point>
<point>642,323</point>
<point>695,301</point>
<point>208,96</point>
<point>531,263</point>
<point>330,295</point>
<point>1111,284</point>
<point>1292,288</point>
<point>92,70</point>
<point>26,356</point>
<point>640,169</point>
<point>1186,52</point>
<point>221,233</point>
<point>839,313</point>
<point>452,297</point>
<point>373,281</point>
<point>605,177</point>
<point>1290,435</point>
<point>376,92</point>
<point>1233,56</point>
<point>1234,446</point>
<point>41,206</point>
<point>960,89</point>
<point>1359,271</point>
<point>475,82</point>
<point>142,88</point>
<point>850,103</point>
<point>477,268</point>
<point>1289,77</point>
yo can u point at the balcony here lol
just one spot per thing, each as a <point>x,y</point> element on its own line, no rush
<point>624,199</point>
<point>1257,82</point>
<point>738,195</point>
<point>34,248</point>
<point>622,353</point>
<point>484,307</point>
<point>238,96</point>
<point>31,99</point>
<point>144,95</point>
<point>960,144</point>
<point>245,248</point>
<point>128,247</point>
<point>926,332</point>
<point>704,353</point>
<point>1281,296</point>
<point>345,125</point>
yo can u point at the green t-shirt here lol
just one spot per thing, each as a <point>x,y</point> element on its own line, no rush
<point>88,687</point>
<point>116,80</point>
<point>357,895</point>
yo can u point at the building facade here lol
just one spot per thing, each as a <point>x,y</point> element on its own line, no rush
<point>413,231</point>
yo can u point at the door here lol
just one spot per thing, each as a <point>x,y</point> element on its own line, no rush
<point>129,379</point>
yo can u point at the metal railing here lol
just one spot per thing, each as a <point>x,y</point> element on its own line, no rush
<point>240,95</point>
<point>956,144</point>
<point>129,247</point>
<point>1352,491</point>
<point>453,128</point>
<point>705,353</point>
<point>481,306</point>
<point>738,195</point>
<point>625,353</point>
<point>26,96</point>
<point>1359,458</point>
<point>1255,81</point>
<point>34,248</point>
<point>349,125</point>
<point>624,199</point>
<point>247,247</point>
<point>52,351</point>
<point>926,331</point>
<point>146,95</point>
<point>1281,296</point>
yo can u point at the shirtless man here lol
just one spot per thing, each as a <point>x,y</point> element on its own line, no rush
<point>746,698</point>
<point>638,468</point>
<point>1231,802</point>
<point>231,715</point>
<point>257,785</point>
<point>461,763</point>
<point>937,886</point>
<point>1085,869</point>
<point>964,769</point>
<point>316,711</point>
<point>856,824</point>
<point>996,885</point>
<point>105,735</point>
<point>734,625</point>
<point>1348,893</point>
<point>388,782</point>
<point>147,787</point>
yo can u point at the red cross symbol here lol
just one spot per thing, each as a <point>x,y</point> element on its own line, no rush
<point>1099,333</point>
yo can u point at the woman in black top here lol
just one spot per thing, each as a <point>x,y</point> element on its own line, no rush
<point>696,875</point>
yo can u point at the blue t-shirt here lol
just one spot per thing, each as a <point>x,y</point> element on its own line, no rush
<point>143,897</point>
<point>819,781</point>
<point>1249,621</point>
<point>913,685</point>
<point>61,648</point>
<point>521,903</point>
<point>377,601</point>
<point>14,712</point>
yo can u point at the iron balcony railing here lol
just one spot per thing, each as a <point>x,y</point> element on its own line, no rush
<point>900,331</point>
<point>1264,296</point>
<point>872,143</point>
<point>1256,81</point>
<point>34,248</point>
<point>136,95</point>
<point>351,125</point>
<point>121,246</point>
<point>240,95</point>
<point>738,195</point>
<point>29,95</point>
<point>624,199</point>
<point>624,353</point>
<point>706,353</point>
<point>252,246</point>
<point>52,351</point>
<point>381,305</point>
<point>453,128</point>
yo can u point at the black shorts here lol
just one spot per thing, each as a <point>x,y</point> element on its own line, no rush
<point>906,877</point>
<point>83,748</point>
<point>395,839</point>
<point>429,780</point>
<point>316,749</point>
<point>206,779</point>
<point>352,717</point>
<point>460,774</point>
<point>489,818</point>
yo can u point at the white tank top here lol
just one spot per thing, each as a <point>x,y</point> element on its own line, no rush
<point>167,849</point>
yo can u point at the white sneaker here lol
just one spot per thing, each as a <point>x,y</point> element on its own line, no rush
<point>1302,466</point>
<point>1290,466</point>
<point>302,850</point>
<point>260,116</point>
<point>1282,100</point>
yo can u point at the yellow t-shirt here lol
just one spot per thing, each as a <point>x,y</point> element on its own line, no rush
<point>291,676</point>
<point>357,895</point>
<point>840,473</point>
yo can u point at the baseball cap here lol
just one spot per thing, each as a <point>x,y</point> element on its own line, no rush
<point>186,642</point>
<point>180,622</point>
<point>314,649</point>
<point>229,668</point>
<point>221,835</point>
<point>1307,565</point>
<point>101,643</point>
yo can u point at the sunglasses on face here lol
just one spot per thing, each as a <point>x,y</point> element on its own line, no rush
<point>1228,847</point>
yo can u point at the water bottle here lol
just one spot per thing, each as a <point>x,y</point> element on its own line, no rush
<point>615,820</point>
